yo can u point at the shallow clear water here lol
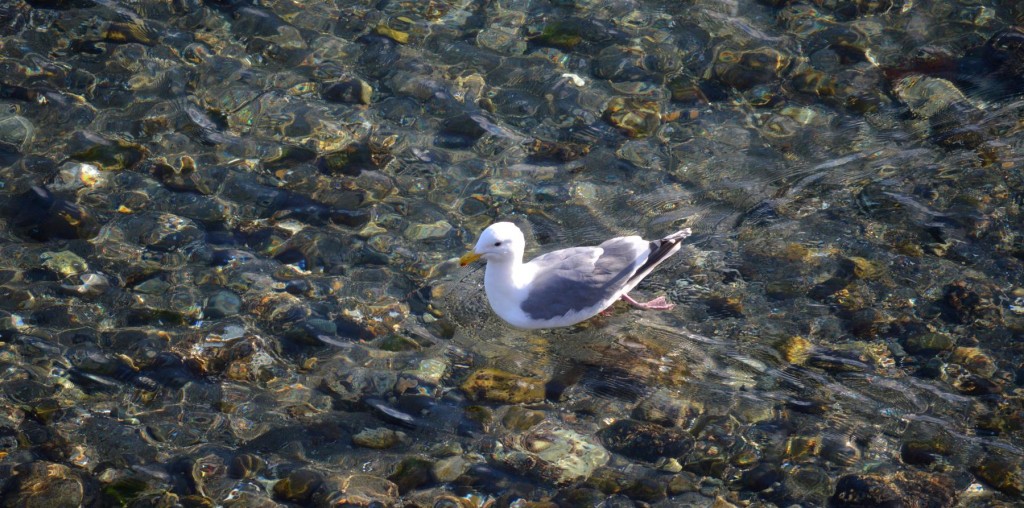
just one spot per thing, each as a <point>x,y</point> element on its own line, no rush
<point>229,274</point>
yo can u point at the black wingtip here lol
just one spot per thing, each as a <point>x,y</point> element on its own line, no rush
<point>678,236</point>
<point>662,249</point>
<point>658,247</point>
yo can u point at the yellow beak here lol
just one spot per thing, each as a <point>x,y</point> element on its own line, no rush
<point>469,258</point>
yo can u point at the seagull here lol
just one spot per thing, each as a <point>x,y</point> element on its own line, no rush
<point>567,286</point>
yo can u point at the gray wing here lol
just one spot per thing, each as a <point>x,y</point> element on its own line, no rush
<point>571,280</point>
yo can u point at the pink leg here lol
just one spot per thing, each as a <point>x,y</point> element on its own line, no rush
<point>659,303</point>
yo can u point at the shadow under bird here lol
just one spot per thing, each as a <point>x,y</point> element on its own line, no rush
<point>567,286</point>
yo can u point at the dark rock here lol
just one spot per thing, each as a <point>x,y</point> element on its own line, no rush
<point>745,68</point>
<point>246,465</point>
<point>109,154</point>
<point>412,473</point>
<point>41,215</point>
<point>298,486</point>
<point>902,489</point>
<point>461,131</point>
<point>761,477</point>
<point>351,91</point>
<point>646,441</point>
<point>1006,475</point>
<point>43,484</point>
<point>961,303</point>
<point>929,343</point>
<point>349,161</point>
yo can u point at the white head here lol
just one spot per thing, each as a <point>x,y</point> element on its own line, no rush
<point>500,242</point>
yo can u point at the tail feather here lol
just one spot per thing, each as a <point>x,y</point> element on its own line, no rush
<point>661,250</point>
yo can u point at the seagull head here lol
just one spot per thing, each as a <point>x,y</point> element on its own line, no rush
<point>501,241</point>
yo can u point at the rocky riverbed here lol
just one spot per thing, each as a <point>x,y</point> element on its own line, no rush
<point>230,228</point>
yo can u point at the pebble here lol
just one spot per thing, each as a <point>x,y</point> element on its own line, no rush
<point>223,304</point>
<point>380,438</point>
<point>64,263</point>
<point>352,91</point>
<point>449,469</point>
<point>16,130</point>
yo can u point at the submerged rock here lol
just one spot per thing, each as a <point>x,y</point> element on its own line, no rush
<point>551,453</point>
<point>246,465</point>
<point>357,490</point>
<point>668,408</point>
<point>353,90</point>
<point>109,154</point>
<point>16,131</point>
<point>795,350</point>
<point>44,484</point>
<point>501,386</point>
<point>747,68</point>
<point>379,438</point>
<point>904,488</point>
<point>42,215</point>
<point>65,263</point>
<point>646,441</point>
<point>449,469</point>
<point>412,473</point>
<point>1005,474</point>
<point>637,118</point>
<point>929,343</point>
<point>298,486</point>
<point>222,304</point>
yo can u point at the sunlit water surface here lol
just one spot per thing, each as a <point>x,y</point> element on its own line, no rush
<point>230,228</point>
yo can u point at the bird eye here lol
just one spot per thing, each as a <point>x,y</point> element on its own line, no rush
<point>497,244</point>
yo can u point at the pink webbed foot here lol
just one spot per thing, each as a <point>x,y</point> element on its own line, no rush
<point>659,303</point>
